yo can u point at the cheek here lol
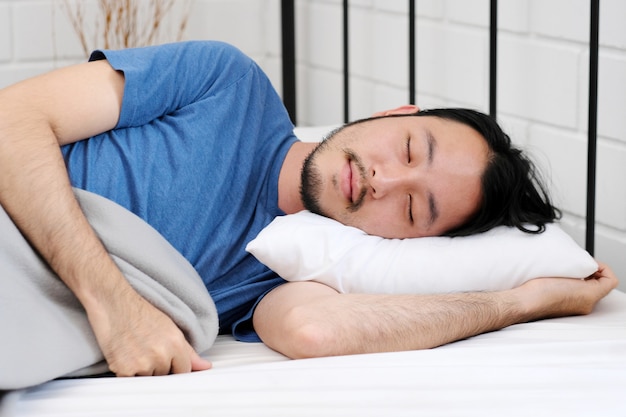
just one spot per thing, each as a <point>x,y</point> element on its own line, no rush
<point>376,219</point>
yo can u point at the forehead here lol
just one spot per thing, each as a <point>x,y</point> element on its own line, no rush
<point>395,122</point>
<point>459,164</point>
<point>453,135</point>
<point>447,133</point>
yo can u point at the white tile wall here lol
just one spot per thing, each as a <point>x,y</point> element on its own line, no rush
<point>538,80</point>
<point>470,12</point>
<point>560,19</point>
<point>33,30</point>
<point>513,16</point>
<point>612,95</point>
<point>542,74</point>
<point>612,15</point>
<point>611,184</point>
<point>567,175</point>
<point>387,55</point>
<point>236,22</point>
<point>6,35</point>
<point>433,9</point>
<point>323,49</point>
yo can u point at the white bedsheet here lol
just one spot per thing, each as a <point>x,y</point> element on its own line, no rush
<point>574,366</point>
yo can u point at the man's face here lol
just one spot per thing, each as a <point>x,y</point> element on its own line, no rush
<point>397,177</point>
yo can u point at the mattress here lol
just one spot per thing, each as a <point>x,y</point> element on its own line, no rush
<point>571,366</point>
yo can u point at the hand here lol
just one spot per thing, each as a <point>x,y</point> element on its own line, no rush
<point>137,339</point>
<point>557,297</point>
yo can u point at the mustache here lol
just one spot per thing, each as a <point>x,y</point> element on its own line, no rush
<point>358,202</point>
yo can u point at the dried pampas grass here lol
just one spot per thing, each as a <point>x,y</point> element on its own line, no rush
<point>118,24</point>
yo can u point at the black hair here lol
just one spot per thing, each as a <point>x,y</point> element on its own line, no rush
<point>513,193</point>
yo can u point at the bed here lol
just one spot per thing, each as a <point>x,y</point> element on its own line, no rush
<point>572,366</point>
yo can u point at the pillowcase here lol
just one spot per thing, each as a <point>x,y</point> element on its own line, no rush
<point>305,246</point>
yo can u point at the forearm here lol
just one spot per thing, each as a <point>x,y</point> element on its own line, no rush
<point>36,117</point>
<point>36,193</point>
<point>307,319</point>
<point>386,323</point>
<point>319,322</point>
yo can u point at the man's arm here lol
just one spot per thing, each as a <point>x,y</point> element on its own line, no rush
<point>307,319</point>
<point>36,116</point>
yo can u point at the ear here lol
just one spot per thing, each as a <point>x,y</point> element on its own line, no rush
<point>406,109</point>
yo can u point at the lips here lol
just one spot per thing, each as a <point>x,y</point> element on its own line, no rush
<point>355,179</point>
<point>347,180</point>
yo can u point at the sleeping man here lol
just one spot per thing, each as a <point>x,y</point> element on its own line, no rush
<point>193,139</point>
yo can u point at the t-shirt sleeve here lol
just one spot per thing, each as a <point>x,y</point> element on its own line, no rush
<point>243,329</point>
<point>162,79</point>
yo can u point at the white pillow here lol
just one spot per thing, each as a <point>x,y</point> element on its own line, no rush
<point>305,246</point>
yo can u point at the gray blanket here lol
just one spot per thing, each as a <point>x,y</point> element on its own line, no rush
<point>43,328</point>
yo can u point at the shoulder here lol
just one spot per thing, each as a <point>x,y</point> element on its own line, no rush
<point>195,52</point>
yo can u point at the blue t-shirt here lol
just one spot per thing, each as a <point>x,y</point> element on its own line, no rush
<point>196,153</point>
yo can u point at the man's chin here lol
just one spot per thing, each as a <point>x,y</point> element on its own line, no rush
<point>312,205</point>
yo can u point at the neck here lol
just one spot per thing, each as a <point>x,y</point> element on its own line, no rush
<point>289,199</point>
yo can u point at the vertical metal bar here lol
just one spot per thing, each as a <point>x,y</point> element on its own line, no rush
<point>346,64</point>
<point>412,67</point>
<point>593,125</point>
<point>288,32</point>
<point>493,55</point>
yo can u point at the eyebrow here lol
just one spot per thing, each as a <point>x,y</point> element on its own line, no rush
<point>431,142</point>
<point>433,209</point>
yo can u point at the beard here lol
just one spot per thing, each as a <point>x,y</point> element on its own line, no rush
<point>311,182</point>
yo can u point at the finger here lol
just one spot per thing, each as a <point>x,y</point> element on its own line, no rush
<point>128,369</point>
<point>198,363</point>
<point>162,369</point>
<point>152,369</point>
<point>599,273</point>
<point>153,364</point>
<point>181,364</point>
<point>601,269</point>
<point>189,362</point>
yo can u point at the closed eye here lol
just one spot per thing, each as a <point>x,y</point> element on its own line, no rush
<point>408,149</point>
<point>410,199</point>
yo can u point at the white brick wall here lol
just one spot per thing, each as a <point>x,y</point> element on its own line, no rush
<point>36,35</point>
<point>542,69</point>
<point>5,33</point>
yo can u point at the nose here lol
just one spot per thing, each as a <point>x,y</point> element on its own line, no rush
<point>388,180</point>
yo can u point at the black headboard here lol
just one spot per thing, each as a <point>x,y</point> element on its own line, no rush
<point>289,81</point>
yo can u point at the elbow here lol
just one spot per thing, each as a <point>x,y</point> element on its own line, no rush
<point>302,336</point>
<point>310,341</point>
<point>296,320</point>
